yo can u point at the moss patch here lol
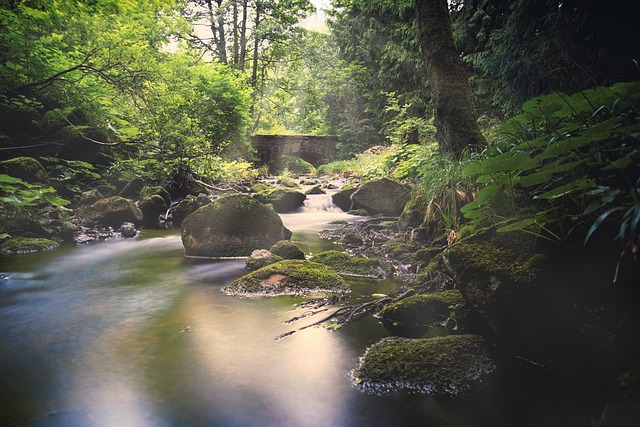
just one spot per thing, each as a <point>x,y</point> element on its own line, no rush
<point>439,366</point>
<point>350,265</point>
<point>287,250</point>
<point>22,245</point>
<point>27,169</point>
<point>288,277</point>
<point>423,309</point>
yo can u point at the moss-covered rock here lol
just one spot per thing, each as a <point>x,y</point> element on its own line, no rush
<point>282,199</point>
<point>381,196</point>
<point>423,309</point>
<point>288,277</point>
<point>348,265</point>
<point>439,366</point>
<point>27,169</point>
<point>261,258</point>
<point>342,198</point>
<point>132,188</point>
<point>22,245</point>
<point>152,207</point>
<point>153,190</point>
<point>315,190</point>
<point>114,211</point>
<point>232,226</point>
<point>554,304</point>
<point>287,250</point>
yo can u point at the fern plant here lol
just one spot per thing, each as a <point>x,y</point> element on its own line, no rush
<point>565,160</point>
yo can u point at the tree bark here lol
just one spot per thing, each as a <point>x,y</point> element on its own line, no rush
<point>243,37</point>
<point>455,118</point>
<point>222,43</point>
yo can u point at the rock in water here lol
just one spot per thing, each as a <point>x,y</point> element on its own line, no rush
<point>231,226</point>
<point>382,196</point>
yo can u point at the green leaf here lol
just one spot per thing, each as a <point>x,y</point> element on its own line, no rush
<point>563,190</point>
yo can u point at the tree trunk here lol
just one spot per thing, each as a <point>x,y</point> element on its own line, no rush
<point>222,43</point>
<point>243,37</point>
<point>236,50</point>
<point>455,119</point>
<point>256,45</point>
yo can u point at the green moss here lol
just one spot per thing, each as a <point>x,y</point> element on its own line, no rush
<point>257,262</point>
<point>115,210</point>
<point>351,239</point>
<point>422,309</point>
<point>27,169</point>
<point>350,265</point>
<point>287,182</point>
<point>439,366</point>
<point>508,255</point>
<point>287,250</point>
<point>288,277</point>
<point>19,245</point>
<point>156,190</point>
<point>399,249</point>
<point>315,190</point>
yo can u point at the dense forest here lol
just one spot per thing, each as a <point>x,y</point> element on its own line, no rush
<point>507,121</point>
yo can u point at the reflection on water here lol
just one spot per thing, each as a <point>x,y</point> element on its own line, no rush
<point>131,333</point>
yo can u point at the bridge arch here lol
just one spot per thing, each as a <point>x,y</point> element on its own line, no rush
<point>316,150</point>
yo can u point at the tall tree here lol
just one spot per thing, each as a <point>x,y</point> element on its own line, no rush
<point>454,112</point>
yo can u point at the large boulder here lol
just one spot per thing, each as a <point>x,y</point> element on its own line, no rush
<point>231,226</point>
<point>27,169</point>
<point>440,366</point>
<point>382,196</point>
<point>549,303</point>
<point>114,211</point>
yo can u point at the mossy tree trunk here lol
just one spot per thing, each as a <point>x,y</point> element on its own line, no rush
<point>454,113</point>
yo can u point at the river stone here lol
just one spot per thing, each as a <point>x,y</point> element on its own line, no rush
<point>342,198</point>
<point>348,265</point>
<point>114,211</point>
<point>288,277</point>
<point>23,245</point>
<point>422,309</point>
<point>231,226</point>
<point>287,250</point>
<point>439,366</point>
<point>381,196</point>
<point>152,207</point>
<point>261,258</point>
<point>282,200</point>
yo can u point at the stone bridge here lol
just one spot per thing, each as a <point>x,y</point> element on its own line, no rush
<point>313,149</point>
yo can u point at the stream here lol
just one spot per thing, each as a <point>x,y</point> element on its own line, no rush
<point>129,332</point>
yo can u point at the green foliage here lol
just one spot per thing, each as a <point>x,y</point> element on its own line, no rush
<point>560,162</point>
<point>71,174</point>
<point>293,165</point>
<point>22,203</point>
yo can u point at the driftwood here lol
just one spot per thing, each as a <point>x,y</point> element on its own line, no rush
<point>344,315</point>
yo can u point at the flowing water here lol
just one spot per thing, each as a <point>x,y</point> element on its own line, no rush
<point>132,333</point>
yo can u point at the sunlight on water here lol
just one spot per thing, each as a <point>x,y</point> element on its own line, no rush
<point>132,333</point>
